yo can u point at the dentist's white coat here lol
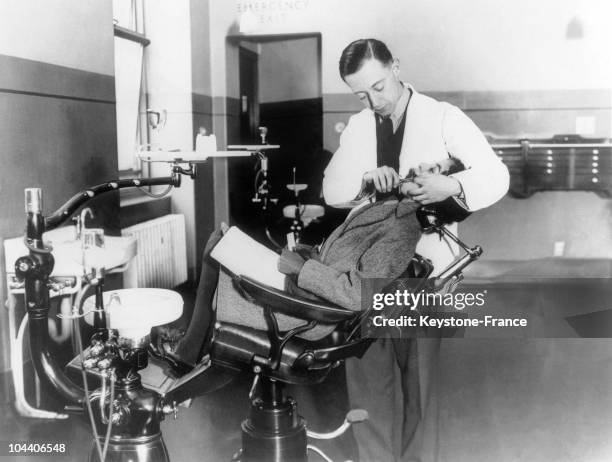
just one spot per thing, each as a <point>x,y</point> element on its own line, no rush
<point>433,131</point>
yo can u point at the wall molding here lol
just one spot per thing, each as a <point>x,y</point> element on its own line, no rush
<point>201,104</point>
<point>292,109</point>
<point>24,76</point>
<point>495,100</point>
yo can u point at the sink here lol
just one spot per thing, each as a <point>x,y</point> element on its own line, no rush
<point>135,311</point>
<point>68,253</point>
<point>69,256</point>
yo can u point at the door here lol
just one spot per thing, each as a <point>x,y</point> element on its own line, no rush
<point>249,99</point>
<point>243,212</point>
<point>280,88</point>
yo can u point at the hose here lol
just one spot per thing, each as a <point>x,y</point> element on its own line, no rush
<point>109,424</point>
<point>77,332</point>
<point>157,195</point>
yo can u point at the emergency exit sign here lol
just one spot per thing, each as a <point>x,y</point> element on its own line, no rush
<point>271,11</point>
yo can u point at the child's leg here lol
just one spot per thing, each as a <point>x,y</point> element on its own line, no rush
<point>189,349</point>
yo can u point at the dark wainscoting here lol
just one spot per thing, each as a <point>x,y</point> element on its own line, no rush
<point>56,137</point>
<point>58,132</point>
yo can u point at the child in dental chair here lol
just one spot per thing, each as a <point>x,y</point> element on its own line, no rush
<point>377,240</point>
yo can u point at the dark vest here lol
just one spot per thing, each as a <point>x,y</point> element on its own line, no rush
<point>388,146</point>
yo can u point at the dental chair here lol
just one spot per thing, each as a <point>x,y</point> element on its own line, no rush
<point>273,429</point>
<point>128,413</point>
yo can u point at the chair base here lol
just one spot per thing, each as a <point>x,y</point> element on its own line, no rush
<point>273,431</point>
<point>146,449</point>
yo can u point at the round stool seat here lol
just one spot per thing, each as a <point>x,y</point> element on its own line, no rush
<point>297,187</point>
<point>308,212</point>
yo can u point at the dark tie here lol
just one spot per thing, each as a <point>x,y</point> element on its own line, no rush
<point>387,128</point>
<point>386,154</point>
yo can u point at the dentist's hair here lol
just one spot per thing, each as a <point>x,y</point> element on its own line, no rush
<point>361,50</point>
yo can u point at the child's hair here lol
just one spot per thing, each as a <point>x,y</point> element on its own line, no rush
<point>451,165</point>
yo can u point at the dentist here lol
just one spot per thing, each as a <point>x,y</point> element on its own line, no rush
<point>400,129</point>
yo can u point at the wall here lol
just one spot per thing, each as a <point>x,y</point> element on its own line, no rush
<point>288,80</point>
<point>35,30</point>
<point>177,83</point>
<point>202,107</point>
<point>525,229</point>
<point>57,111</point>
<point>445,46</point>
<point>513,67</point>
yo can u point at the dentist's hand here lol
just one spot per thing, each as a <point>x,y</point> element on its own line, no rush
<point>429,189</point>
<point>383,178</point>
<point>410,188</point>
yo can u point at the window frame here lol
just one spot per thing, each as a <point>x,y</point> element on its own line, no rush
<point>133,30</point>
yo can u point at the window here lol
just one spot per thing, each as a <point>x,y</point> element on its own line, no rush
<point>130,82</point>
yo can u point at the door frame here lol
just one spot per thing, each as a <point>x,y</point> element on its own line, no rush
<point>235,39</point>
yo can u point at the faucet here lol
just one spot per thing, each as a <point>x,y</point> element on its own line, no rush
<point>80,221</point>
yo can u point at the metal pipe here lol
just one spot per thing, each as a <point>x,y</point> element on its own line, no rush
<point>551,145</point>
<point>21,404</point>
<point>49,372</point>
<point>455,268</point>
<point>69,208</point>
<point>99,316</point>
<point>62,333</point>
<point>35,269</point>
<point>570,145</point>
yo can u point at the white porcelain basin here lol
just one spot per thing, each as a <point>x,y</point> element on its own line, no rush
<point>134,311</point>
<point>68,254</point>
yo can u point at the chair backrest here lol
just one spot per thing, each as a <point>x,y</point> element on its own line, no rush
<point>255,332</point>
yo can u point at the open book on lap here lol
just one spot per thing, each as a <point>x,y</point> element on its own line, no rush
<point>244,256</point>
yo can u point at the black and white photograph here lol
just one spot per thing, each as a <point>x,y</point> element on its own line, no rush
<point>306,230</point>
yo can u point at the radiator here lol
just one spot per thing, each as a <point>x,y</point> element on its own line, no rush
<point>161,259</point>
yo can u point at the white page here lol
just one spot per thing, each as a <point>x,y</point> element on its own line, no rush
<point>244,256</point>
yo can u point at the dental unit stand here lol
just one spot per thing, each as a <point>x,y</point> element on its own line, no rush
<point>297,225</point>
<point>262,183</point>
<point>131,419</point>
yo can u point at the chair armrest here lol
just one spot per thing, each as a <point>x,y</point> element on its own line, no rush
<point>353,348</point>
<point>282,302</point>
